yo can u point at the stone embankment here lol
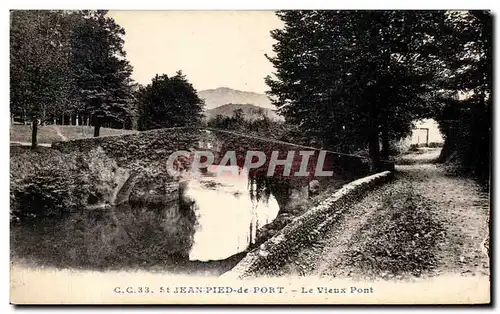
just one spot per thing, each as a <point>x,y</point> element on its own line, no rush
<point>304,229</point>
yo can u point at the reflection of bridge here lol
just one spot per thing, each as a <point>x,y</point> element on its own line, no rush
<point>151,150</point>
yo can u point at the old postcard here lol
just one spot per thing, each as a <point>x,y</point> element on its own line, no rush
<point>250,157</point>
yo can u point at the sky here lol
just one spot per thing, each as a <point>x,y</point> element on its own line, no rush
<point>212,48</point>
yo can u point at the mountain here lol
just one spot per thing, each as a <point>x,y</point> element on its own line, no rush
<point>250,111</point>
<point>223,95</point>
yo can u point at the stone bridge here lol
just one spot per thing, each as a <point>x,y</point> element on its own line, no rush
<point>151,149</point>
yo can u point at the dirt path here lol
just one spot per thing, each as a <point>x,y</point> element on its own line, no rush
<point>59,133</point>
<point>422,224</point>
<point>29,144</point>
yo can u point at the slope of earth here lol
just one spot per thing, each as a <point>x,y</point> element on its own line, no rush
<point>422,224</point>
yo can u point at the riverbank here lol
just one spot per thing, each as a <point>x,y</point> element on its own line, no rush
<point>422,224</point>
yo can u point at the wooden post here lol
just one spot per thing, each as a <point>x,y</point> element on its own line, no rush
<point>34,131</point>
<point>426,136</point>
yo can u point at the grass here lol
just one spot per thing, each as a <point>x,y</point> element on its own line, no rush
<point>423,155</point>
<point>402,238</point>
<point>22,133</point>
<point>73,132</point>
<point>48,133</point>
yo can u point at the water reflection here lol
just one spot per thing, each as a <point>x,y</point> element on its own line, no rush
<point>230,207</point>
<point>214,216</point>
<point>124,236</point>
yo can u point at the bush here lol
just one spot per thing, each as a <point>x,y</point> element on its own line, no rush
<point>47,183</point>
<point>435,144</point>
<point>413,148</point>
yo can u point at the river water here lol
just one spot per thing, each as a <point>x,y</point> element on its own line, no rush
<point>205,219</point>
<point>228,214</point>
<point>215,217</point>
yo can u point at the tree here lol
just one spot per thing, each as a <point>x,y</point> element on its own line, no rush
<point>258,125</point>
<point>68,61</point>
<point>38,55</point>
<point>466,84</point>
<point>348,77</point>
<point>168,102</point>
<point>99,69</point>
<point>236,122</point>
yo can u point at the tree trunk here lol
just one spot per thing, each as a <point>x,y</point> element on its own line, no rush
<point>449,145</point>
<point>77,124</point>
<point>34,131</point>
<point>97,126</point>
<point>62,119</point>
<point>373,139</point>
<point>374,150</point>
<point>384,155</point>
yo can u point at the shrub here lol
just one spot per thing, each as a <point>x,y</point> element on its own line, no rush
<point>413,148</point>
<point>435,144</point>
<point>46,183</point>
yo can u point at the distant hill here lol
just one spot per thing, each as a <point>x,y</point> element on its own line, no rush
<point>251,111</point>
<point>224,95</point>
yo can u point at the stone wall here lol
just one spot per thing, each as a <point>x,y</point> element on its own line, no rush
<point>148,146</point>
<point>157,145</point>
<point>303,229</point>
<point>139,159</point>
<point>144,155</point>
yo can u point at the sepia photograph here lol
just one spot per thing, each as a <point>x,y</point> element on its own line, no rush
<point>250,157</point>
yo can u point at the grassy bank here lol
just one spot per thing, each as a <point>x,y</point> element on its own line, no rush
<point>401,238</point>
<point>49,134</point>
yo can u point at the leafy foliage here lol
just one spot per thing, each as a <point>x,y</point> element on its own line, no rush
<point>69,61</point>
<point>347,77</point>
<point>352,78</point>
<point>48,183</point>
<point>168,102</point>
<point>38,63</point>
<point>465,115</point>
<point>100,72</point>
<point>259,124</point>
